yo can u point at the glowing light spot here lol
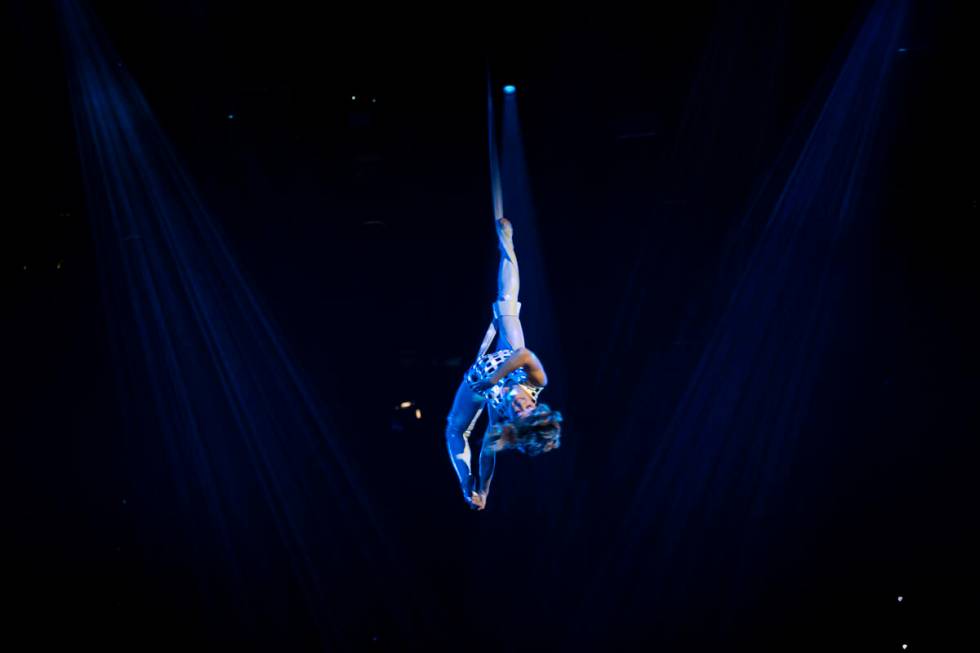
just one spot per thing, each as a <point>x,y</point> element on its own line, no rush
<point>418,413</point>
<point>900,599</point>
<point>405,404</point>
<point>353,97</point>
<point>510,89</point>
<point>231,116</point>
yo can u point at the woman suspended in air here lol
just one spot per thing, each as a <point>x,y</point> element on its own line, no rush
<point>507,381</point>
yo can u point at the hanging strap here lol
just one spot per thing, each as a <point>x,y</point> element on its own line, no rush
<point>487,339</point>
<point>495,191</point>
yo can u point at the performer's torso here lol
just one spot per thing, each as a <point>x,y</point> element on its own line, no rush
<point>485,366</point>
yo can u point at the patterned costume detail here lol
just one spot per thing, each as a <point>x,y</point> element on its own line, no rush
<point>486,365</point>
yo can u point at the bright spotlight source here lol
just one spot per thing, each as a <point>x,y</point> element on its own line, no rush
<point>510,89</point>
<point>405,404</point>
<point>418,413</point>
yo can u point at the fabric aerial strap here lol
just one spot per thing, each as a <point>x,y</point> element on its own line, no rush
<point>498,212</point>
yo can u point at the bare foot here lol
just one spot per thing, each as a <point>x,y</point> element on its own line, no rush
<point>477,501</point>
<point>505,230</point>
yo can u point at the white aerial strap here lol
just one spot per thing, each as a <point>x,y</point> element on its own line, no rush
<point>498,209</point>
<point>495,191</point>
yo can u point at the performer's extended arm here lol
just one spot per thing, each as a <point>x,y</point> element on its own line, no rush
<point>520,358</point>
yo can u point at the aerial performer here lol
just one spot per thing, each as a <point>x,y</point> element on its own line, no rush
<point>507,382</point>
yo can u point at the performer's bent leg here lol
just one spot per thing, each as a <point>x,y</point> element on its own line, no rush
<point>459,426</point>
<point>506,309</point>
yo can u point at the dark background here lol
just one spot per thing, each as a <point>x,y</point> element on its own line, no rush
<point>365,227</point>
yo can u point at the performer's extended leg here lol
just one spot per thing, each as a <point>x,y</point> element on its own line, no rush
<point>488,460</point>
<point>506,309</point>
<point>459,427</point>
